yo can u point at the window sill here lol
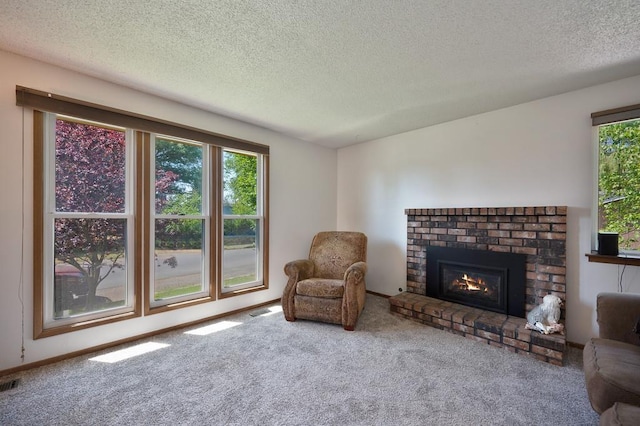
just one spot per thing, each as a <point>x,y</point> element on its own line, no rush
<point>618,260</point>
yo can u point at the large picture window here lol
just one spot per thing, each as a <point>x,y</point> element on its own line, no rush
<point>618,196</point>
<point>134,216</point>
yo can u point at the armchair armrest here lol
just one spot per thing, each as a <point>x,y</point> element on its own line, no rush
<point>619,316</point>
<point>355,273</point>
<point>295,270</point>
<point>301,269</point>
<point>354,294</point>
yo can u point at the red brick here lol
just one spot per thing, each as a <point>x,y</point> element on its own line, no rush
<point>433,311</point>
<point>466,225</point>
<point>552,219</point>
<point>504,249</point>
<point>500,234</point>
<point>523,346</point>
<point>560,279</point>
<point>477,219</point>
<point>542,277</point>
<point>537,227</point>
<point>462,328</point>
<point>471,317</point>
<point>488,335</point>
<point>511,226</point>
<point>447,314</point>
<point>549,269</point>
<point>442,322</point>
<point>523,234</point>
<point>525,250</point>
<point>476,338</point>
<point>551,236</point>
<point>462,239</point>
<point>487,226</point>
<point>546,352</point>
<point>523,334</point>
<point>510,242</point>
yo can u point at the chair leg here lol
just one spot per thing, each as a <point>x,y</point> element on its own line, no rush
<point>349,327</point>
<point>291,319</point>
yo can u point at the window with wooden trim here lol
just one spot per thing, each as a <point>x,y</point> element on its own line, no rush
<point>87,220</point>
<point>243,220</point>
<point>130,222</point>
<point>618,171</point>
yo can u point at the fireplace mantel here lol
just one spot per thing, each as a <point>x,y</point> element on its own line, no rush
<point>537,232</point>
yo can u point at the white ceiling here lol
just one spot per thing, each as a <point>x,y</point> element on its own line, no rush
<point>335,72</point>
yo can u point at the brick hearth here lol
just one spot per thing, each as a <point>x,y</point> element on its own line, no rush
<point>538,232</point>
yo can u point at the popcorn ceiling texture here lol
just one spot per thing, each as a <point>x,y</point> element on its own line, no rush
<point>334,72</point>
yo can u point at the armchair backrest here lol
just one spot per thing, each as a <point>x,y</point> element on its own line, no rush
<point>618,316</point>
<point>334,251</point>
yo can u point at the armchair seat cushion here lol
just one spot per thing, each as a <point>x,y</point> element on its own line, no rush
<point>621,414</point>
<point>321,287</point>
<point>612,372</point>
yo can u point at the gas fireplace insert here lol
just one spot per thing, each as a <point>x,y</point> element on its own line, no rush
<point>494,281</point>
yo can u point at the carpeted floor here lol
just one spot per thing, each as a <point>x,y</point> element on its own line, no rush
<point>261,370</point>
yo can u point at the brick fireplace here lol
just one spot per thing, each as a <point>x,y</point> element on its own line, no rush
<point>539,233</point>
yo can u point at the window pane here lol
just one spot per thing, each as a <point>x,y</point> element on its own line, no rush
<point>89,168</point>
<point>90,270</point>
<point>178,177</point>
<point>178,257</point>
<point>240,183</point>
<point>240,261</point>
<point>619,182</point>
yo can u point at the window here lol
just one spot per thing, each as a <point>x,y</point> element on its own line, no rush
<point>619,175</point>
<point>88,220</point>
<point>180,222</point>
<point>134,216</point>
<point>243,221</point>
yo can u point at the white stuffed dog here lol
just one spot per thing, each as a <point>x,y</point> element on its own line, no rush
<point>545,317</point>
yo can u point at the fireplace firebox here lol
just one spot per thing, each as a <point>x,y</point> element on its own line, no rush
<point>489,280</point>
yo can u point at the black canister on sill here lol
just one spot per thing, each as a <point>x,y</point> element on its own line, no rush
<point>608,243</point>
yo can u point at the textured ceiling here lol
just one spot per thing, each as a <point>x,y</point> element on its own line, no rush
<point>335,72</point>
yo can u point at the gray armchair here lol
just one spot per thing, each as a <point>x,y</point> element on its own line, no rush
<point>612,360</point>
<point>329,286</point>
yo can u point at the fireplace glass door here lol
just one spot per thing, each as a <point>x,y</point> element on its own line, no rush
<point>479,287</point>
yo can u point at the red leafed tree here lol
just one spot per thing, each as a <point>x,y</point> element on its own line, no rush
<point>90,177</point>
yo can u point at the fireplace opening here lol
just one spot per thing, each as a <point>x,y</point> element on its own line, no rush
<point>494,281</point>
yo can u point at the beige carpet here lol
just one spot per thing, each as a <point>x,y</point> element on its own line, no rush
<point>262,370</point>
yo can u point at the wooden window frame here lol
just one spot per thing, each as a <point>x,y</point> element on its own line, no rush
<point>609,116</point>
<point>142,126</point>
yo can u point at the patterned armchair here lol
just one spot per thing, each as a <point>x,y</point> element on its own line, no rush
<point>330,285</point>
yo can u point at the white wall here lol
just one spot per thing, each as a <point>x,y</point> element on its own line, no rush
<point>302,194</point>
<point>535,154</point>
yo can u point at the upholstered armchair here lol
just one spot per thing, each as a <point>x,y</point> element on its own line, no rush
<point>611,361</point>
<point>329,286</point>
